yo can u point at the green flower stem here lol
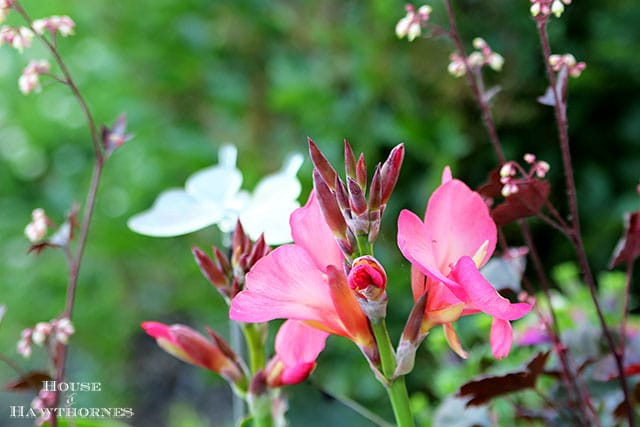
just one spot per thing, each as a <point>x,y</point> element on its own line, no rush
<point>255,346</point>
<point>260,407</point>
<point>396,388</point>
<point>364,246</point>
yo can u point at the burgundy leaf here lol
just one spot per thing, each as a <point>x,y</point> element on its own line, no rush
<point>628,248</point>
<point>485,389</point>
<point>528,201</point>
<point>29,381</point>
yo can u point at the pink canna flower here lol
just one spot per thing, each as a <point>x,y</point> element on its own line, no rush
<point>190,346</point>
<point>305,281</point>
<point>456,238</point>
<point>297,348</point>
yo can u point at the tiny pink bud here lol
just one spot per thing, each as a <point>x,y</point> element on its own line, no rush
<point>530,158</point>
<point>40,333</point>
<point>507,170</point>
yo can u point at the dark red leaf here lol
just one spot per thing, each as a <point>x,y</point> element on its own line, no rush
<point>485,389</point>
<point>628,248</point>
<point>29,381</point>
<point>493,187</point>
<point>528,201</point>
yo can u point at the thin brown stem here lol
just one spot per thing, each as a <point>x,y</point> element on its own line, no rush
<point>575,233</point>
<point>75,260</point>
<point>475,85</point>
<point>625,309</point>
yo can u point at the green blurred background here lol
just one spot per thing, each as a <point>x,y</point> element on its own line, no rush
<point>264,75</point>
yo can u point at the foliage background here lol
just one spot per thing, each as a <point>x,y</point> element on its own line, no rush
<point>265,75</point>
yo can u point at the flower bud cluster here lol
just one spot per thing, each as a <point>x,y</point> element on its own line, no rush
<point>574,68</point>
<point>5,5</point>
<point>62,25</point>
<point>352,214</point>
<point>228,275</point>
<point>483,56</point>
<point>411,25</point>
<point>30,78</point>
<point>44,400</point>
<point>544,8</point>
<point>510,170</point>
<point>50,333</point>
<point>19,38</point>
<point>37,229</point>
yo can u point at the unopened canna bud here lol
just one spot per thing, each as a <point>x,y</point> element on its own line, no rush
<point>367,278</point>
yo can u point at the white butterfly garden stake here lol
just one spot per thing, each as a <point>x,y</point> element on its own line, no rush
<point>213,196</point>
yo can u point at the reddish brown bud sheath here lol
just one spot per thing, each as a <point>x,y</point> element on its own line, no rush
<point>357,201</point>
<point>223,261</point>
<point>329,207</point>
<point>209,269</point>
<point>390,171</point>
<point>361,173</point>
<point>322,165</point>
<point>375,192</point>
<point>349,160</point>
<point>342,196</point>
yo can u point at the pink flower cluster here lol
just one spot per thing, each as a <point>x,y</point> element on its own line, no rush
<point>483,56</point>
<point>411,25</point>
<point>544,8</point>
<point>51,333</point>
<point>4,9</point>
<point>19,38</point>
<point>30,78</point>
<point>509,170</point>
<point>54,24</point>
<point>574,67</point>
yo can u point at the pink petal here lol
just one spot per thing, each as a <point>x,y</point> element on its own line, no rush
<point>298,347</point>
<point>446,175</point>
<point>415,243</point>
<point>454,342</point>
<point>287,284</point>
<point>348,309</point>
<point>500,338</point>
<point>458,224</point>
<point>311,232</point>
<point>482,296</point>
<point>157,330</point>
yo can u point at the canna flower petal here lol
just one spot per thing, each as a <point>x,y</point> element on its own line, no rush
<point>482,296</point>
<point>311,233</point>
<point>459,224</point>
<point>446,250</point>
<point>500,338</point>
<point>304,281</point>
<point>297,348</point>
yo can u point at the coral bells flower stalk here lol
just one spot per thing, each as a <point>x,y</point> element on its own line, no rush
<point>305,281</point>
<point>456,238</point>
<point>190,346</point>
